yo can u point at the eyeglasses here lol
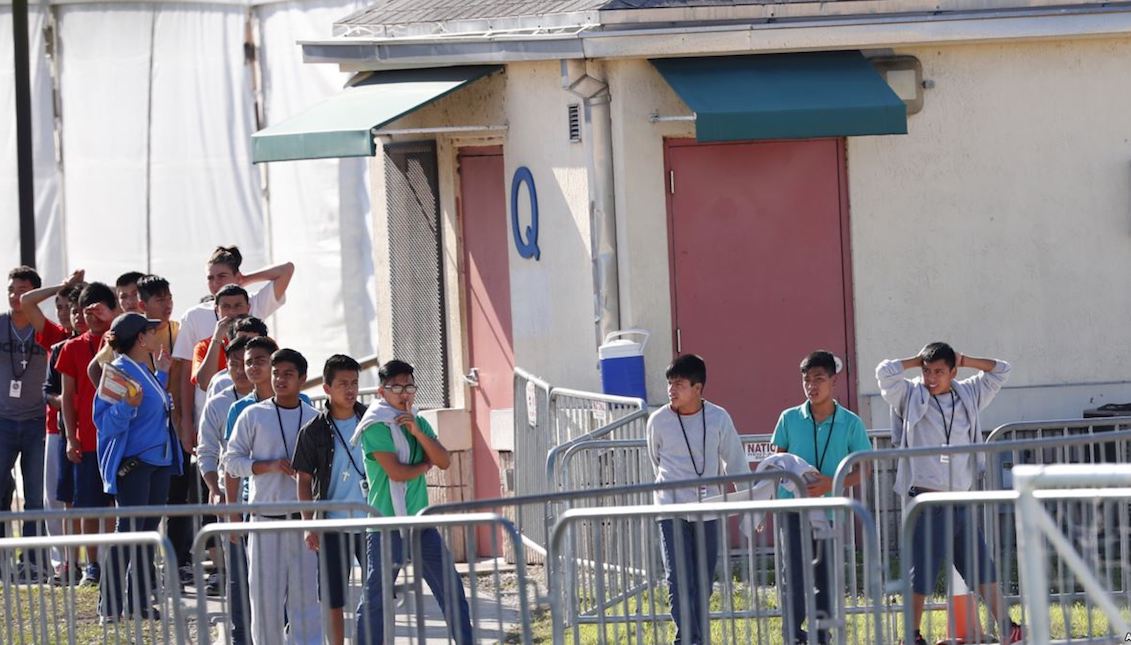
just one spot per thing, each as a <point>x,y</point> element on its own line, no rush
<point>398,389</point>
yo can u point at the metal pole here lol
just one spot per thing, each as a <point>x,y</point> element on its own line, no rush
<point>23,132</point>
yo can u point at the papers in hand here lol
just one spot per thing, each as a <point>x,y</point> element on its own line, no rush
<point>116,385</point>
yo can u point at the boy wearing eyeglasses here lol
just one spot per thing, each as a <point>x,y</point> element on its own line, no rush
<point>400,447</point>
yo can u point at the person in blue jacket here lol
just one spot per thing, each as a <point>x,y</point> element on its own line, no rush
<point>137,457</point>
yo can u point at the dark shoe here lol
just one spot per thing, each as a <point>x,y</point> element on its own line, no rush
<point>919,640</point>
<point>215,586</point>
<point>91,575</point>
<point>147,613</point>
<point>186,574</point>
<point>28,574</point>
<point>66,575</point>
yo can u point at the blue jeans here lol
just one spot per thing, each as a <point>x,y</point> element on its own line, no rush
<point>439,572</point>
<point>795,582</point>
<point>23,439</point>
<point>145,485</point>
<point>684,568</point>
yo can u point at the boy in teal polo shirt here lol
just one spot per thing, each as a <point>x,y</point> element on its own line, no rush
<point>822,433</point>
<point>400,446</point>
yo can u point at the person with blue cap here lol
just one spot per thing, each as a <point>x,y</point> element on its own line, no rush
<point>137,455</point>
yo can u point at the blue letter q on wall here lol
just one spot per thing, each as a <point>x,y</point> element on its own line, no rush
<point>528,247</point>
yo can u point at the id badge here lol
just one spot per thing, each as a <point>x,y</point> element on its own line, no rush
<point>944,459</point>
<point>14,388</point>
<point>702,492</point>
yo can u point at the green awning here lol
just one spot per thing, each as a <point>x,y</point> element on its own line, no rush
<point>785,96</point>
<point>342,125</point>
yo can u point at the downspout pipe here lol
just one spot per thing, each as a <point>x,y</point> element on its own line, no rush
<point>581,79</point>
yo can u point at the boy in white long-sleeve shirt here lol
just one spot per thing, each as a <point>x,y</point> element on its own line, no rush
<point>691,439</point>
<point>282,571</point>
<point>933,411</point>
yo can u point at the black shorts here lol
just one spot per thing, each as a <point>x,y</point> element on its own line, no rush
<point>88,484</point>
<point>65,481</point>
<point>335,565</point>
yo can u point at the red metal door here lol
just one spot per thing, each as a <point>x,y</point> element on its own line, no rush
<point>491,349</point>
<point>759,248</point>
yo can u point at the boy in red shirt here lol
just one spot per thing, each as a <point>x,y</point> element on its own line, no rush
<point>99,306</point>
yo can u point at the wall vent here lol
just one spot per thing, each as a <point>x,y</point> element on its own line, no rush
<point>575,123</point>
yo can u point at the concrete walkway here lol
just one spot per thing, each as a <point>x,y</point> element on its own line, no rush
<point>490,618</point>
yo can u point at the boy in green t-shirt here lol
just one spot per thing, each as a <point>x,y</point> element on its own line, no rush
<point>400,446</point>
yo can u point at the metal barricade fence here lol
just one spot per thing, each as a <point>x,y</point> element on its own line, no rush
<point>286,578</point>
<point>1081,513</point>
<point>551,505</point>
<point>211,579</point>
<point>1057,428</point>
<point>546,417</point>
<point>962,536</point>
<point>577,413</point>
<point>37,613</point>
<point>533,438</point>
<point>621,456</point>
<point>977,467</point>
<point>758,596</point>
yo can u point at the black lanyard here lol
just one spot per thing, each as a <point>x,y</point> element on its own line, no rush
<point>703,408</point>
<point>820,456</point>
<point>946,428</point>
<point>345,446</point>
<point>283,434</point>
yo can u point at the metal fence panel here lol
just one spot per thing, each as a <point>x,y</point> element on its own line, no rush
<point>1075,540</point>
<point>577,413</point>
<point>533,439</point>
<point>759,595</point>
<point>988,467</point>
<point>44,613</point>
<point>493,605</point>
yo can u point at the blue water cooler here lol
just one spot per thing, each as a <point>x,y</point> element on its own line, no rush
<point>622,363</point>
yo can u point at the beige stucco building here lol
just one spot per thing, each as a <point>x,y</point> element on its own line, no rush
<point>1000,221</point>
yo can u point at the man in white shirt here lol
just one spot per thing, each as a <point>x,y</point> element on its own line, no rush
<point>282,571</point>
<point>691,439</point>
<point>199,322</point>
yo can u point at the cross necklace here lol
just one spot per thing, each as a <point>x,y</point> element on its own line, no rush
<point>14,335</point>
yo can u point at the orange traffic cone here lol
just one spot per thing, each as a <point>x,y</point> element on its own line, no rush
<point>963,619</point>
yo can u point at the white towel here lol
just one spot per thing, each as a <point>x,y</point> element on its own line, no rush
<point>766,490</point>
<point>382,412</point>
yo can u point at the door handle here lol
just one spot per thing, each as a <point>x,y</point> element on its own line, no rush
<point>472,377</point>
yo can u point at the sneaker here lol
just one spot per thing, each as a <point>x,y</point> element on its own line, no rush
<point>213,586</point>
<point>28,574</point>
<point>66,575</point>
<point>919,640</point>
<point>187,575</point>
<point>109,620</point>
<point>146,613</point>
<point>91,575</point>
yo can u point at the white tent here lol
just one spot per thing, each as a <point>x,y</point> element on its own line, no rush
<point>143,115</point>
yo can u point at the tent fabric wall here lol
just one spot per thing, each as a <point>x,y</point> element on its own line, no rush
<point>155,186</point>
<point>319,209</point>
<point>50,250</point>
<point>157,111</point>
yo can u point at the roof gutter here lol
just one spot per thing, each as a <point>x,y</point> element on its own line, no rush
<point>705,39</point>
